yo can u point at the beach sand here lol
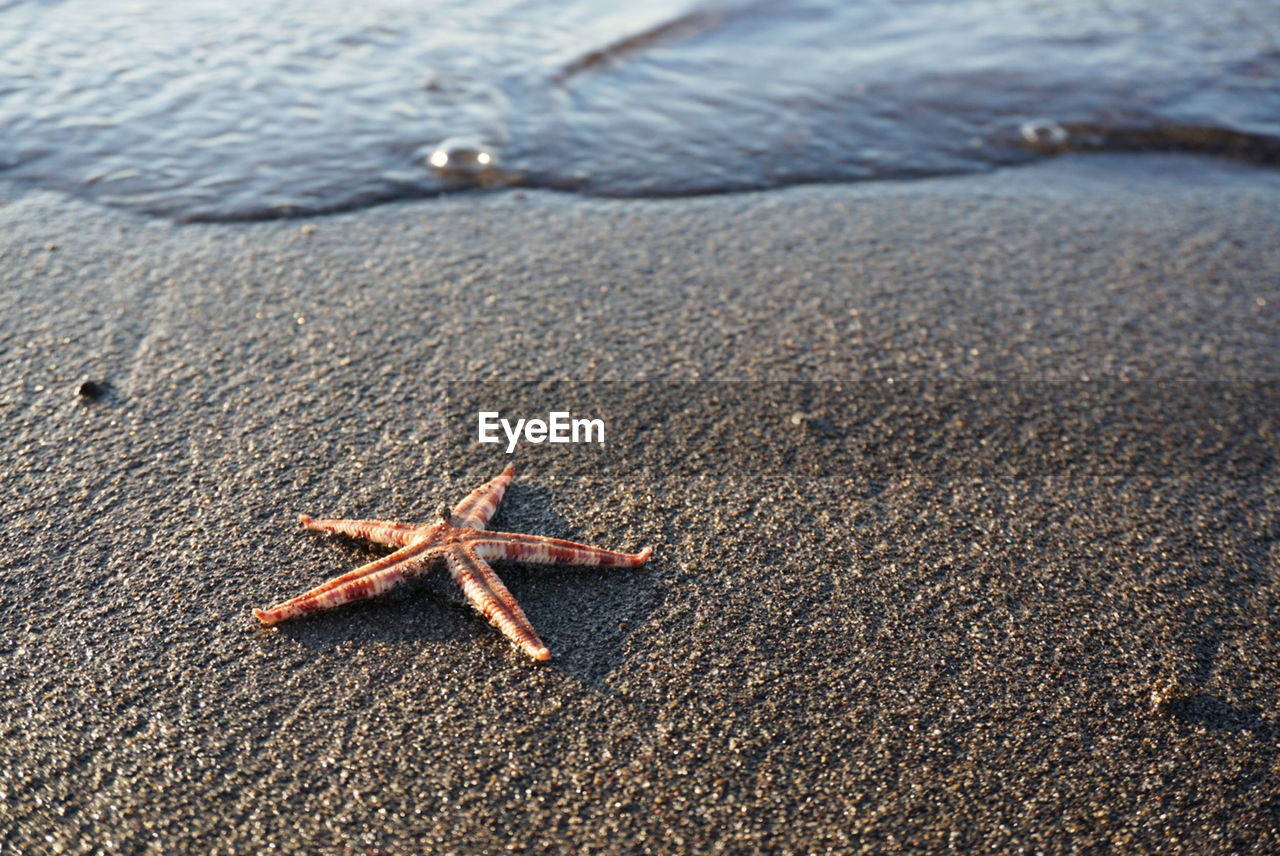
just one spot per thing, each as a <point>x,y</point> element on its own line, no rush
<point>897,652</point>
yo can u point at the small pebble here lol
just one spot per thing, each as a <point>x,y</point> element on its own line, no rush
<point>91,390</point>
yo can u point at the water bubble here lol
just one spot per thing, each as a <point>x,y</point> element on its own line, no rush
<point>1043,134</point>
<point>462,157</point>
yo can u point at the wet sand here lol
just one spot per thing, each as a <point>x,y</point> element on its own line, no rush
<point>911,657</point>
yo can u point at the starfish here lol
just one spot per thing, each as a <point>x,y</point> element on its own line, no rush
<point>461,540</point>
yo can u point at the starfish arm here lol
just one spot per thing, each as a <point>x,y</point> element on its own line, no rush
<point>499,589</point>
<point>474,511</point>
<point>375,531</point>
<point>552,551</point>
<point>371,580</point>
<point>488,595</point>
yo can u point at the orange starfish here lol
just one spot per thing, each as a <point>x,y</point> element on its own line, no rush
<point>461,540</point>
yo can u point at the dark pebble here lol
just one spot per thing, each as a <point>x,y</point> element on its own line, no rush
<point>92,390</point>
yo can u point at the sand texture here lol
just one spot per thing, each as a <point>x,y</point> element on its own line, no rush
<point>885,628</point>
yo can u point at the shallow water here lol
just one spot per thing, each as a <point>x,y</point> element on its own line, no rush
<point>237,110</point>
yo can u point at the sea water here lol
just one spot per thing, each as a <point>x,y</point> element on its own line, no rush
<point>237,109</point>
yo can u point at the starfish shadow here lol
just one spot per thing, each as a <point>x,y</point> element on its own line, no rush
<point>424,610</point>
<point>586,615</point>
